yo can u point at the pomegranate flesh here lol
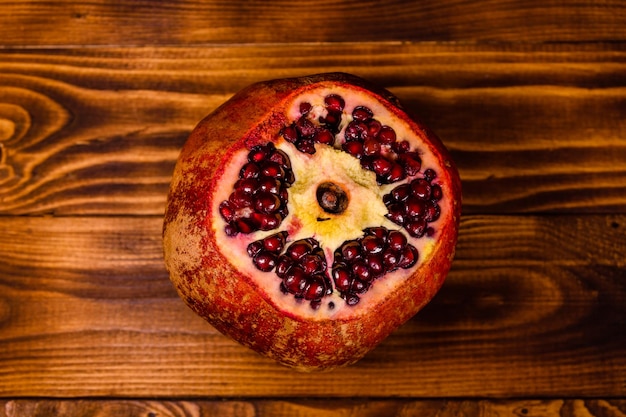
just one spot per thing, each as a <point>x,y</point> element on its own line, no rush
<point>310,217</point>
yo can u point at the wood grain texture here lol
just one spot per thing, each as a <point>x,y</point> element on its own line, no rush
<point>533,128</point>
<point>317,408</point>
<point>534,306</point>
<point>185,22</point>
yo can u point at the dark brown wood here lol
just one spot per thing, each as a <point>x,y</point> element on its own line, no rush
<point>532,128</point>
<point>534,306</point>
<point>316,408</point>
<point>185,22</point>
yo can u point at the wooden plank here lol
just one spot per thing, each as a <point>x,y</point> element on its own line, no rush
<point>186,22</point>
<point>533,128</point>
<point>535,306</point>
<point>317,408</point>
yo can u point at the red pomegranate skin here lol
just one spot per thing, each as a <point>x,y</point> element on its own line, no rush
<point>216,290</point>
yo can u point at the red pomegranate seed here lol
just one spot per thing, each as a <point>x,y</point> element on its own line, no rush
<point>289,133</point>
<point>396,213</point>
<point>402,147</point>
<point>342,279</point>
<point>387,135</point>
<point>396,173</point>
<point>352,299</point>
<point>311,264</point>
<point>283,264</point>
<point>332,119</point>
<point>306,146</point>
<point>275,242</point>
<point>281,158</point>
<point>254,247</point>
<point>411,162</point>
<point>355,130</point>
<point>266,202</point>
<point>401,192</point>
<point>272,169</point>
<point>351,250</point>
<point>420,188</point>
<point>239,199</point>
<point>354,148</point>
<point>244,226</point>
<point>436,193</point>
<point>334,102</point>
<point>416,227</point>
<point>361,271</point>
<point>247,185</point>
<point>226,211</point>
<point>315,290</point>
<point>305,128</point>
<point>362,113</point>
<point>325,136</point>
<point>298,249</point>
<point>269,184</point>
<point>375,264</point>
<point>414,207</point>
<point>381,166</point>
<point>267,221</point>
<point>430,174</point>
<point>295,280</point>
<point>265,261</point>
<point>371,147</point>
<point>390,259</point>
<point>249,170</point>
<point>432,212</point>
<point>305,107</point>
<point>409,257</point>
<point>372,244</point>
<point>373,128</point>
<point>396,240</point>
<point>379,232</point>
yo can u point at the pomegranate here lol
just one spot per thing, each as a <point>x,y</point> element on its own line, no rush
<point>310,217</point>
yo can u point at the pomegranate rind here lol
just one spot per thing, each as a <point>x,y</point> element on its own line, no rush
<point>214,287</point>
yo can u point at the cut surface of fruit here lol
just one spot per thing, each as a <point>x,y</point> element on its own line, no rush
<point>310,217</point>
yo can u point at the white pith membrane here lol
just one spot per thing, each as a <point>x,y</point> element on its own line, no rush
<point>365,208</point>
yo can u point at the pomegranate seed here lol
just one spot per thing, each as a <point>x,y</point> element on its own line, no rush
<point>305,107</point>
<point>244,226</point>
<point>432,212</point>
<point>226,211</point>
<point>230,230</point>
<point>354,148</point>
<point>267,221</point>
<point>371,147</point>
<point>272,169</point>
<point>275,242</point>
<point>362,113</point>
<point>342,279</point>
<point>260,152</point>
<point>360,269</point>
<point>315,290</point>
<point>334,102</point>
<point>396,240</point>
<point>414,207</point>
<point>354,130</point>
<point>331,120</point>
<point>381,166</point>
<point>281,158</point>
<point>372,244</point>
<point>396,214</point>
<point>283,265</point>
<point>387,135</point>
<point>402,147</point>
<point>311,264</point>
<point>352,299</point>
<point>265,261</point>
<point>401,192</point>
<point>266,202</point>
<point>436,193</point>
<point>420,188</point>
<point>375,265</point>
<point>247,185</point>
<point>411,162</point>
<point>409,257</point>
<point>396,173</point>
<point>295,280</point>
<point>358,286</point>
<point>430,174</point>
<point>254,247</point>
<point>416,227</point>
<point>325,136</point>
<point>373,128</point>
<point>239,199</point>
<point>351,250</point>
<point>269,184</point>
<point>298,249</point>
<point>305,128</point>
<point>289,133</point>
<point>379,232</point>
<point>390,259</point>
<point>306,146</point>
<point>249,170</point>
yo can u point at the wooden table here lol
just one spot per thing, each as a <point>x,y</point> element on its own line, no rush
<point>97,98</point>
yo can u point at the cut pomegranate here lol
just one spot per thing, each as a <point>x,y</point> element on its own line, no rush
<point>308,218</point>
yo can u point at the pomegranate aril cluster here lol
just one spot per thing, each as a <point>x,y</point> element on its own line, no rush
<point>357,263</point>
<point>259,197</point>
<point>301,268</point>
<point>311,128</point>
<point>378,148</point>
<point>413,205</point>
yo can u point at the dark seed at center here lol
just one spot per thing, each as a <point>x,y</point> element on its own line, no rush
<point>331,198</point>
